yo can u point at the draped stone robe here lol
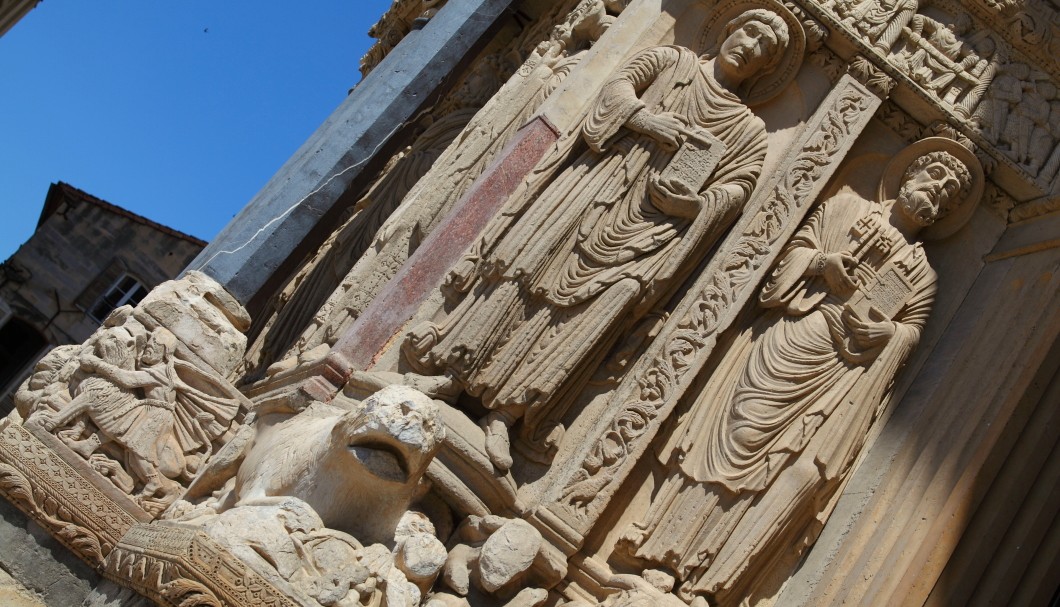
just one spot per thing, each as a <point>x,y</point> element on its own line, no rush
<point>593,252</point>
<point>786,411</point>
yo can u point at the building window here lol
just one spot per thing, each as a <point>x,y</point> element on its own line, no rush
<point>127,290</point>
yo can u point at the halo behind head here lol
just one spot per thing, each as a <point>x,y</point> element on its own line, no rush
<point>782,71</point>
<point>962,208</point>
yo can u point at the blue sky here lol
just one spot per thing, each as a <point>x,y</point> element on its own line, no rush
<point>178,111</point>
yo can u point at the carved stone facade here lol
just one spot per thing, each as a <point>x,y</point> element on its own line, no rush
<point>699,302</point>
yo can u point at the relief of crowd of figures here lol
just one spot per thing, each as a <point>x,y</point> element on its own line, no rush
<point>690,280</point>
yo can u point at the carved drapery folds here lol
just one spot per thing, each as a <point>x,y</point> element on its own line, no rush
<point>109,433</point>
<point>651,392</point>
<point>673,153</point>
<point>771,436</point>
<point>650,376</point>
<point>131,405</point>
<point>328,294</point>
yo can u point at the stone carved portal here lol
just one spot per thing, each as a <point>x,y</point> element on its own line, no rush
<point>132,406</point>
<point>771,436</point>
<point>673,153</point>
<point>139,454</point>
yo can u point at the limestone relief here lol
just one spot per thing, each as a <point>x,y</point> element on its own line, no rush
<point>671,154</point>
<point>770,437</point>
<point>136,410</point>
<point>322,500</point>
<point>650,393</point>
<point>879,21</point>
<point>1020,114</point>
<point>329,293</point>
<point>325,504</point>
<point>948,60</point>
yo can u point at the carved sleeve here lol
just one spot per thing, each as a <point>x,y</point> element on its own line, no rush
<point>619,99</point>
<point>124,378</point>
<point>788,285</point>
<point>911,320</point>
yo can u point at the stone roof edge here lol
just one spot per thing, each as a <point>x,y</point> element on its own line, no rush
<point>60,191</point>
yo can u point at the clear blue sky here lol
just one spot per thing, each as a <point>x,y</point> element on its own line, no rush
<point>178,111</point>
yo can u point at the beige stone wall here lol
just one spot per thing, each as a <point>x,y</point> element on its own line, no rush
<point>669,302</point>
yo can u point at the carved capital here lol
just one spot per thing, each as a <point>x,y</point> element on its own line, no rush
<point>871,76</point>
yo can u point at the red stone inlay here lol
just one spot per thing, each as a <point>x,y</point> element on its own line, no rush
<point>424,271</point>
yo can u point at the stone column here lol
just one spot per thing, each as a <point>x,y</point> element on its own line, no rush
<point>266,233</point>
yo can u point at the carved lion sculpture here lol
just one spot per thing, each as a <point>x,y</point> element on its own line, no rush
<point>321,499</point>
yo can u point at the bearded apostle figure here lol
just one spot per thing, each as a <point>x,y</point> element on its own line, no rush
<point>673,153</point>
<point>786,412</point>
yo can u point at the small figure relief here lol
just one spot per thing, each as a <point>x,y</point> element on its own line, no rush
<point>491,556</point>
<point>880,21</point>
<point>769,439</point>
<point>652,588</point>
<point>583,26</point>
<point>673,154</point>
<point>1020,114</point>
<point>948,60</point>
<point>125,403</point>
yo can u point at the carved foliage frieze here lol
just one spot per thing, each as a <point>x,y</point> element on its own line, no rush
<point>183,567</point>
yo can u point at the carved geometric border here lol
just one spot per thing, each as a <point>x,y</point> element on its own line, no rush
<point>183,567</point>
<point>59,497</point>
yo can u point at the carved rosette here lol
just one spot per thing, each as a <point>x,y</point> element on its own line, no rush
<point>694,327</point>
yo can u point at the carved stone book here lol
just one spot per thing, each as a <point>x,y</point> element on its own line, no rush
<point>695,161</point>
<point>885,293</point>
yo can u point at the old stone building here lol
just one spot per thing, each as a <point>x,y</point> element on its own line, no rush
<point>602,302</point>
<point>85,258</point>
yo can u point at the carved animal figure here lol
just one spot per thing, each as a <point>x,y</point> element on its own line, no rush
<point>358,469</point>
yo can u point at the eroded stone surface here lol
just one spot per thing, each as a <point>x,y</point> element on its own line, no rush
<point>669,317</point>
